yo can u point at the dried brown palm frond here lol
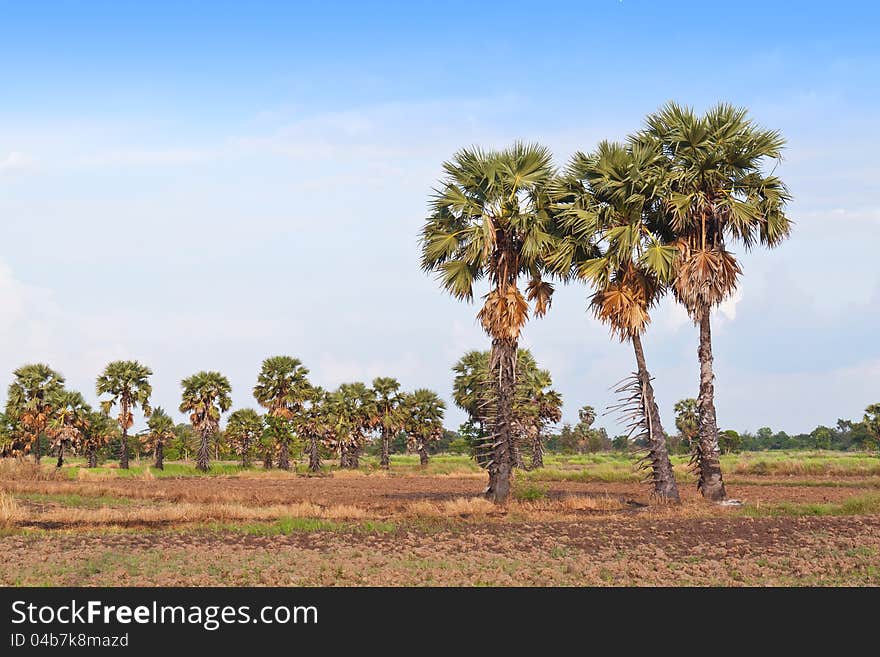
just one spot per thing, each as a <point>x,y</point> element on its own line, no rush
<point>705,277</point>
<point>541,292</point>
<point>504,313</point>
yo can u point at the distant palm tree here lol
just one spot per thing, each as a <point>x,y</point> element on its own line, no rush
<point>160,434</point>
<point>352,408</point>
<point>537,406</point>
<point>314,424</point>
<point>469,391</point>
<point>490,220</point>
<point>68,422</point>
<point>423,425</point>
<point>611,209</point>
<point>389,413</point>
<point>244,428</point>
<point>872,422</point>
<point>28,402</point>
<point>128,384</point>
<point>282,388</point>
<point>100,431</point>
<point>716,192</point>
<point>687,421</point>
<point>205,398</point>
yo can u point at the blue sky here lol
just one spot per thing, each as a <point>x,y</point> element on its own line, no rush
<point>199,187</point>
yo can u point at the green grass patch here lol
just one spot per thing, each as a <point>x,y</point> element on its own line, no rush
<point>527,491</point>
<point>75,500</point>
<point>854,506</point>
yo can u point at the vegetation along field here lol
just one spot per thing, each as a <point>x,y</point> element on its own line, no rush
<point>807,518</point>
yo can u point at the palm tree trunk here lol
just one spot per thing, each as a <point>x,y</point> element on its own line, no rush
<point>204,455</point>
<point>537,451</point>
<point>658,452</point>
<point>60,456</point>
<point>93,457</point>
<point>314,454</point>
<point>160,456</point>
<point>423,455</point>
<point>354,457</point>
<point>503,370</point>
<point>385,461</point>
<point>344,460</point>
<point>284,455</point>
<point>267,460</point>
<point>710,483</point>
<point>246,453</point>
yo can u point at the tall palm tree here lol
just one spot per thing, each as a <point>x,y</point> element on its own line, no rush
<point>282,388</point>
<point>717,192</point>
<point>68,422</point>
<point>872,422</point>
<point>160,433</point>
<point>389,413</point>
<point>611,207</point>
<point>128,384</point>
<point>352,408</point>
<point>490,220</point>
<point>100,431</point>
<point>244,428</point>
<point>205,397</point>
<point>423,422</point>
<point>28,402</point>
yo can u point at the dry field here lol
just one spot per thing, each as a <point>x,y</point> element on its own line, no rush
<point>796,526</point>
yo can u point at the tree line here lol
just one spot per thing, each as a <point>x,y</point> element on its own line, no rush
<point>297,418</point>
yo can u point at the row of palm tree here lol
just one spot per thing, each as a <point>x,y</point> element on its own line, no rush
<point>38,405</point>
<point>633,220</point>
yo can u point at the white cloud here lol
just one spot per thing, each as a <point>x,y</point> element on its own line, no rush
<point>15,162</point>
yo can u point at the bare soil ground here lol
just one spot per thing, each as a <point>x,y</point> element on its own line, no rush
<point>354,529</point>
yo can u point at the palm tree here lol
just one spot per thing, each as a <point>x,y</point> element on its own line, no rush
<point>687,421</point>
<point>68,422</point>
<point>490,220</point>
<point>159,434</point>
<point>611,209</point>
<point>716,192</point>
<point>128,384</point>
<point>100,431</point>
<point>352,408</point>
<point>538,406</point>
<point>469,392</point>
<point>244,428</point>
<point>872,422</point>
<point>389,413</point>
<point>423,422</point>
<point>28,402</point>
<point>205,398</point>
<point>315,424</point>
<point>282,388</point>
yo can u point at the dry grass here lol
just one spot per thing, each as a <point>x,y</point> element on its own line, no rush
<point>21,470</point>
<point>10,511</point>
<point>461,506</point>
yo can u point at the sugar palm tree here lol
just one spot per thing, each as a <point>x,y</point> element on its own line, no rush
<point>128,384</point>
<point>717,192</point>
<point>244,428</point>
<point>160,433</point>
<point>28,402</point>
<point>205,397</point>
<point>872,422</point>
<point>388,412</point>
<point>352,408</point>
<point>100,431</point>
<point>537,407</point>
<point>282,388</point>
<point>489,220</point>
<point>687,421</point>
<point>69,421</point>
<point>314,424</point>
<point>423,422</point>
<point>611,207</point>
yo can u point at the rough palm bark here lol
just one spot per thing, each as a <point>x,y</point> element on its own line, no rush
<point>160,456</point>
<point>423,455</point>
<point>37,454</point>
<point>93,457</point>
<point>711,483</point>
<point>537,451</point>
<point>204,455</point>
<point>267,460</point>
<point>123,441</point>
<point>60,456</point>
<point>314,454</point>
<point>284,455</point>
<point>385,460</point>
<point>658,451</point>
<point>503,368</point>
